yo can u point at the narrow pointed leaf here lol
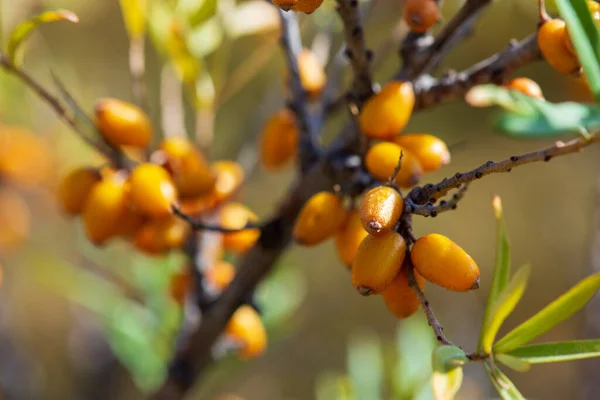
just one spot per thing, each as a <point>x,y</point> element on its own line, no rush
<point>504,305</point>
<point>24,29</point>
<point>559,351</point>
<point>512,362</point>
<point>445,385</point>
<point>501,269</point>
<point>504,386</point>
<point>585,37</point>
<point>553,314</point>
<point>447,358</point>
<point>135,14</point>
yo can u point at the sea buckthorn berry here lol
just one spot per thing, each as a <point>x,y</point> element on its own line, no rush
<point>385,114</point>
<point>377,262</point>
<point>595,11</point>
<point>441,261</point>
<point>235,216</point>
<point>285,5</point>
<point>122,123</point>
<point>380,209</point>
<point>220,274</point>
<point>230,177</point>
<point>279,140</point>
<point>320,218</point>
<point>180,284</point>
<point>75,188</point>
<point>104,209</point>
<point>431,151</point>
<point>152,190</point>
<point>190,171</point>
<point>349,238</point>
<point>551,40</point>
<point>246,327</point>
<point>312,74</point>
<point>401,299</point>
<point>15,219</point>
<point>526,86</point>
<point>420,15</point>
<point>307,6</point>
<point>157,236</point>
<point>131,222</point>
<point>25,158</point>
<point>382,159</point>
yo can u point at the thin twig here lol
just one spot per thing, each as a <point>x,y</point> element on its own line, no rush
<point>430,210</point>
<point>202,226</point>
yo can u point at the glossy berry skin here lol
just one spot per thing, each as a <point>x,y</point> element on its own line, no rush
<point>122,123</point>
<point>157,236</point>
<point>235,216</point>
<point>385,114</point>
<point>307,6</point>
<point>349,238</point>
<point>382,159</point>
<point>246,327</point>
<point>104,209</point>
<point>442,262</point>
<point>15,219</point>
<point>551,40</point>
<point>420,15</point>
<point>220,274</point>
<point>400,299</point>
<point>526,86</point>
<point>75,188</point>
<point>279,140</point>
<point>152,190</point>
<point>312,73</point>
<point>377,262</point>
<point>380,209</point>
<point>321,217</point>
<point>431,151</point>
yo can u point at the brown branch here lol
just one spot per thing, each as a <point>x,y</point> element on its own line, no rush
<point>430,210</point>
<point>203,226</point>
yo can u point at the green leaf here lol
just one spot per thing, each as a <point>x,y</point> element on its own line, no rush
<point>135,14</point>
<point>505,388</point>
<point>553,314</point>
<point>196,11</point>
<point>558,351</point>
<point>585,37</point>
<point>365,365</point>
<point>512,362</point>
<point>205,38</point>
<point>24,29</point>
<point>501,269</point>
<point>446,358</point>
<point>446,385</point>
<point>504,305</point>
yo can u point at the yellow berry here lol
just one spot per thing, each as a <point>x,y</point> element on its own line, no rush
<point>526,86</point>
<point>75,188</point>
<point>25,159</point>
<point>122,123</point>
<point>307,6</point>
<point>442,262</point>
<point>380,209</point>
<point>235,216</point>
<point>385,114</point>
<point>431,151</point>
<point>551,40</point>
<point>382,159</point>
<point>349,237</point>
<point>401,299</point>
<point>152,190</point>
<point>246,327</point>
<point>279,140</point>
<point>220,274</point>
<point>230,177</point>
<point>420,15</point>
<point>320,218</point>
<point>104,209</point>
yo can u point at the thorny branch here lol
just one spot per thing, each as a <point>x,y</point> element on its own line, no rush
<point>430,210</point>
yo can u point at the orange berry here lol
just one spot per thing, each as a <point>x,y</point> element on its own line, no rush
<point>279,140</point>
<point>595,11</point>
<point>349,237</point>
<point>122,124</point>
<point>152,190</point>
<point>380,209</point>
<point>320,218</point>
<point>285,5</point>
<point>181,284</point>
<point>220,274</point>
<point>431,151</point>
<point>15,219</point>
<point>157,236</point>
<point>104,209</point>
<point>551,40</point>
<point>24,157</point>
<point>312,74</point>
<point>444,263</point>
<point>526,86</point>
<point>377,262</point>
<point>235,216</point>
<point>307,6</point>
<point>246,327</point>
<point>75,188</point>
<point>382,159</point>
<point>191,173</point>
<point>385,114</point>
<point>230,177</point>
<point>131,222</point>
<point>400,299</point>
<point>420,15</point>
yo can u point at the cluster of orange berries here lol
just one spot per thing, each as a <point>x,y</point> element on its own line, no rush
<point>305,6</point>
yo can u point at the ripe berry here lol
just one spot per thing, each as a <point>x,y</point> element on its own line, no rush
<point>246,327</point>
<point>131,222</point>
<point>551,40</point>
<point>382,159</point>
<point>191,173</point>
<point>385,114</point>
<point>594,8</point>
<point>349,237</point>
<point>377,262</point>
<point>380,209</point>
<point>321,217</point>
<point>420,15</point>
<point>158,236</point>
<point>312,74</point>
<point>431,151</point>
<point>285,5</point>
<point>307,6</point>
<point>15,219</point>
<point>152,190</point>
<point>230,177</point>
<point>75,188</point>
<point>441,261</point>
<point>220,274</point>
<point>25,159</point>
<point>181,284</point>
<point>526,86</point>
<point>235,216</point>
<point>279,140</point>
<point>104,209</point>
<point>122,124</point>
<point>400,299</point>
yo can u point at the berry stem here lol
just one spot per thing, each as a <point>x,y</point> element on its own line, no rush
<point>543,15</point>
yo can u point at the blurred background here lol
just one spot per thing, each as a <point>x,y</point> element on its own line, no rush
<point>53,339</point>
